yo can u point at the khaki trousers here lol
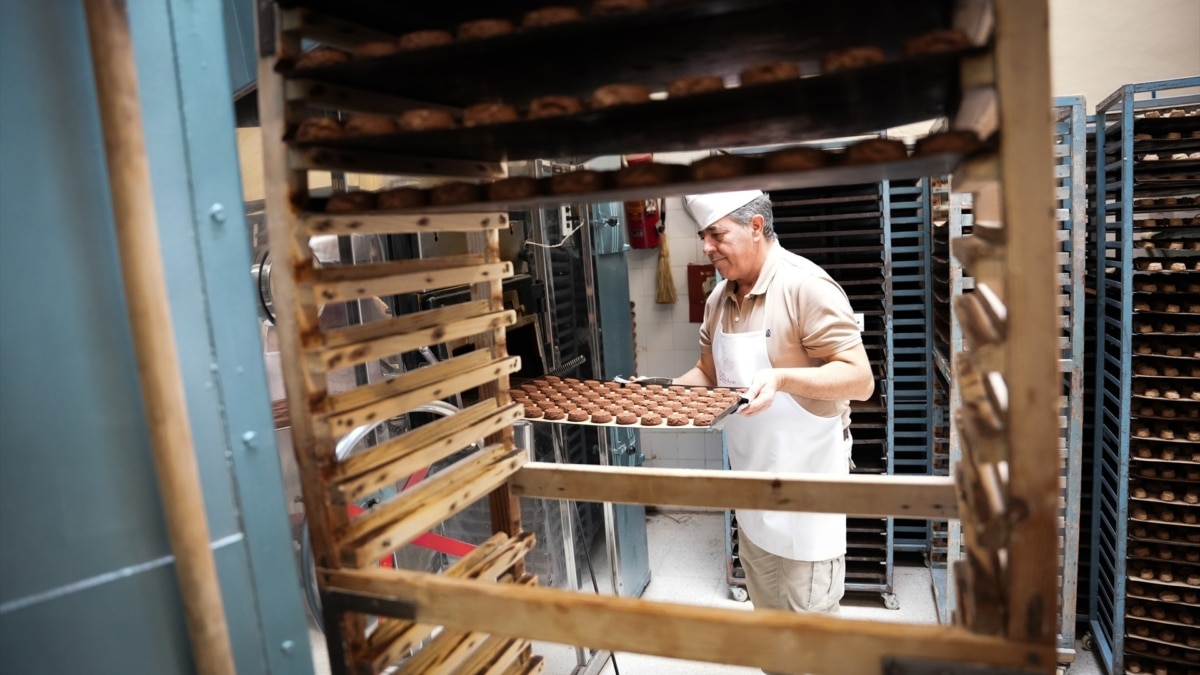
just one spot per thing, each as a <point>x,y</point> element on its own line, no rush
<point>775,582</point>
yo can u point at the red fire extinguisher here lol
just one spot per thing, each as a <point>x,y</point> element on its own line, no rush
<point>642,216</point>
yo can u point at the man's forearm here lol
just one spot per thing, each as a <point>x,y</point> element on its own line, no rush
<point>695,378</point>
<point>833,381</point>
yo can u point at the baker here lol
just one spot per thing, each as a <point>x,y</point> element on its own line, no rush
<point>780,326</point>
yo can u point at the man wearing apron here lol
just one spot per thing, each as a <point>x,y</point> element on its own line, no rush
<point>778,325</point>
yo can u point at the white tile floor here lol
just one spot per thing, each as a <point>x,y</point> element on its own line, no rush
<point>687,563</point>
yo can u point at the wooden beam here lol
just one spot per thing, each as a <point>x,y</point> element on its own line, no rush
<point>395,637</point>
<point>497,655</point>
<point>391,461</point>
<point>400,223</point>
<point>1027,169</point>
<point>909,496</point>
<point>391,401</point>
<point>412,338</point>
<point>398,521</point>
<point>767,639</point>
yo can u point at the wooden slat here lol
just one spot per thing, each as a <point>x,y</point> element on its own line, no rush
<point>327,30</point>
<point>395,637</point>
<point>1027,168</point>
<point>908,496</point>
<point>536,666</point>
<point>450,650</point>
<point>398,521</point>
<point>767,639</point>
<point>497,655</point>
<point>353,282</point>
<point>381,401</point>
<point>399,223</point>
<point>390,462</point>
<point>326,96</point>
<point>975,173</point>
<point>415,321</point>
<point>410,339</point>
<point>370,161</point>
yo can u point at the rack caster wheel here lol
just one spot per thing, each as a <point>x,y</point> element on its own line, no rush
<point>890,601</point>
<point>1088,642</point>
<point>739,593</point>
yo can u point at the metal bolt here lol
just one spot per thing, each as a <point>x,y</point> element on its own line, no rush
<point>248,440</point>
<point>288,646</point>
<point>217,213</point>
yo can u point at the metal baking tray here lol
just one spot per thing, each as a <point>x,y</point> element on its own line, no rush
<point>650,47</point>
<point>1156,126</point>
<point>845,103</point>
<point>913,167</point>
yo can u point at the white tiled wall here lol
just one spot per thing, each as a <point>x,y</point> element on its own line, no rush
<point>667,344</point>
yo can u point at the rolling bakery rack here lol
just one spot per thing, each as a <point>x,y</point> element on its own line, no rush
<point>487,608</point>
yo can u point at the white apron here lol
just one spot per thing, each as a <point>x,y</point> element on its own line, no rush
<point>784,438</point>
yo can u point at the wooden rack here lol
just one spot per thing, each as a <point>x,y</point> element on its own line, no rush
<point>1006,490</point>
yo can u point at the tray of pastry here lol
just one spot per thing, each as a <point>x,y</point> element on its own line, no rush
<point>1166,287</point>
<point>1137,588</point>
<point>1184,266</point>
<point>1180,121</point>
<point>1166,432</point>
<point>1167,412</point>
<point>1165,574</point>
<point>1180,638</point>
<point>1184,538</point>
<point>1149,611</point>
<point>844,103</point>
<point>1144,515</point>
<point>1156,654</point>
<point>635,182</point>
<point>602,403</point>
<point>502,53</point>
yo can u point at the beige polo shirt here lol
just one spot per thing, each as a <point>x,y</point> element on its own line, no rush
<point>806,311</point>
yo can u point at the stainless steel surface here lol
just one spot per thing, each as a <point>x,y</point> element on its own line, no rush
<point>719,421</point>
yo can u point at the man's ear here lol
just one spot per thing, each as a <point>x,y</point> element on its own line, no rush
<point>757,223</point>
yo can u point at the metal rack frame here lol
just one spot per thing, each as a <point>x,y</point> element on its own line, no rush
<point>1116,122</point>
<point>1008,598</point>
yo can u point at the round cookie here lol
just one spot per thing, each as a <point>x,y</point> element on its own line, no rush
<point>769,72</point>
<point>533,412</point>
<point>696,84</point>
<point>627,418</point>
<point>578,415</point>
<point>421,39</point>
<point>606,7</point>
<point>516,187</point>
<point>575,182</point>
<point>721,166</point>
<point>349,202</point>
<point>457,192</point>
<point>651,419</point>
<point>402,198</point>
<point>554,413</point>
<point>483,28</point>
<point>372,50</point>
<point>602,417</point>
<point>702,420</point>
<point>937,41</point>
<point>677,420</point>
<point>854,57</point>
<point>554,106</point>
<point>480,114</point>
<point>875,150</point>
<point>644,174</point>
<point>549,16</point>
<point>619,94</point>
<point>321,56</point>
<point>947,141</point>
<point>319,129</point>
<point>426,119</point>
<point>360,124</point>
<point>795,159</point>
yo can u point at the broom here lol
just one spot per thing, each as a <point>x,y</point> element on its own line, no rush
<point>666,281</point>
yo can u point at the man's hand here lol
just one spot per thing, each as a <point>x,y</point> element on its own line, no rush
<point>761,392</point>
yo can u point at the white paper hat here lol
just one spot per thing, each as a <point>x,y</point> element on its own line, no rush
<point>708,209</point>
